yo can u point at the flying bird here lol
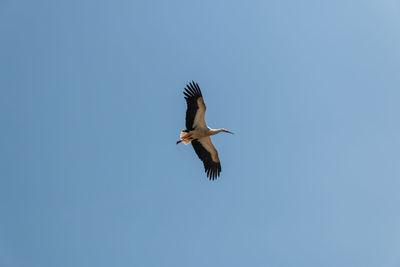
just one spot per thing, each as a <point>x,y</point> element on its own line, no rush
<point>198,133</point>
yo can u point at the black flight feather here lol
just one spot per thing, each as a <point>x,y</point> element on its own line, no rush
<point>192,93</point>
<point>212,168</point>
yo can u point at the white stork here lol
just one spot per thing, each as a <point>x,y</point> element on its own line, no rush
<point>198,133</point>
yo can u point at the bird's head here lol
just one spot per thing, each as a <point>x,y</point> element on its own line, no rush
<point>226,131</point>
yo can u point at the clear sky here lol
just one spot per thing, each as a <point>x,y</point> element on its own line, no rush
<point>91,105</point>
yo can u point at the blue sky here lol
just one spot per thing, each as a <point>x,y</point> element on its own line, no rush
<point>91,105</point>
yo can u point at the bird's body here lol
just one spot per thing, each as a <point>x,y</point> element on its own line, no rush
<point>198,133</point>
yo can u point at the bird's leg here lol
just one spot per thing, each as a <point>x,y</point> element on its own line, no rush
<point>186,138</point>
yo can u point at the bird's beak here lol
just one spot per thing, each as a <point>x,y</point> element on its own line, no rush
<point>229,132</point>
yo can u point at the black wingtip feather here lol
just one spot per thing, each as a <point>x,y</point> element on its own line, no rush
<point>190,88</point>
<point>196,86</point>
<point>193,90</point>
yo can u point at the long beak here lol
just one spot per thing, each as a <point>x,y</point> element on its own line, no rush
<point>229,132</point>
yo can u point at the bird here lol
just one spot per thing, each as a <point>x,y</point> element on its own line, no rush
<point>198,133</point>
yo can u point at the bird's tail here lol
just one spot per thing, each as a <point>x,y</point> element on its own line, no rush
<point>185,137</point>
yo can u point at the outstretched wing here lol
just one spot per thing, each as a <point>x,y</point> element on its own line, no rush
<point>196,108</point>
<point>208,154</point>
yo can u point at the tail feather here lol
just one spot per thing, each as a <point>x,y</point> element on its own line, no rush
<point>185,137</point>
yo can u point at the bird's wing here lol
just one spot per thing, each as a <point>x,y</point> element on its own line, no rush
<point>195,107</point>
<point>208,154</point>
